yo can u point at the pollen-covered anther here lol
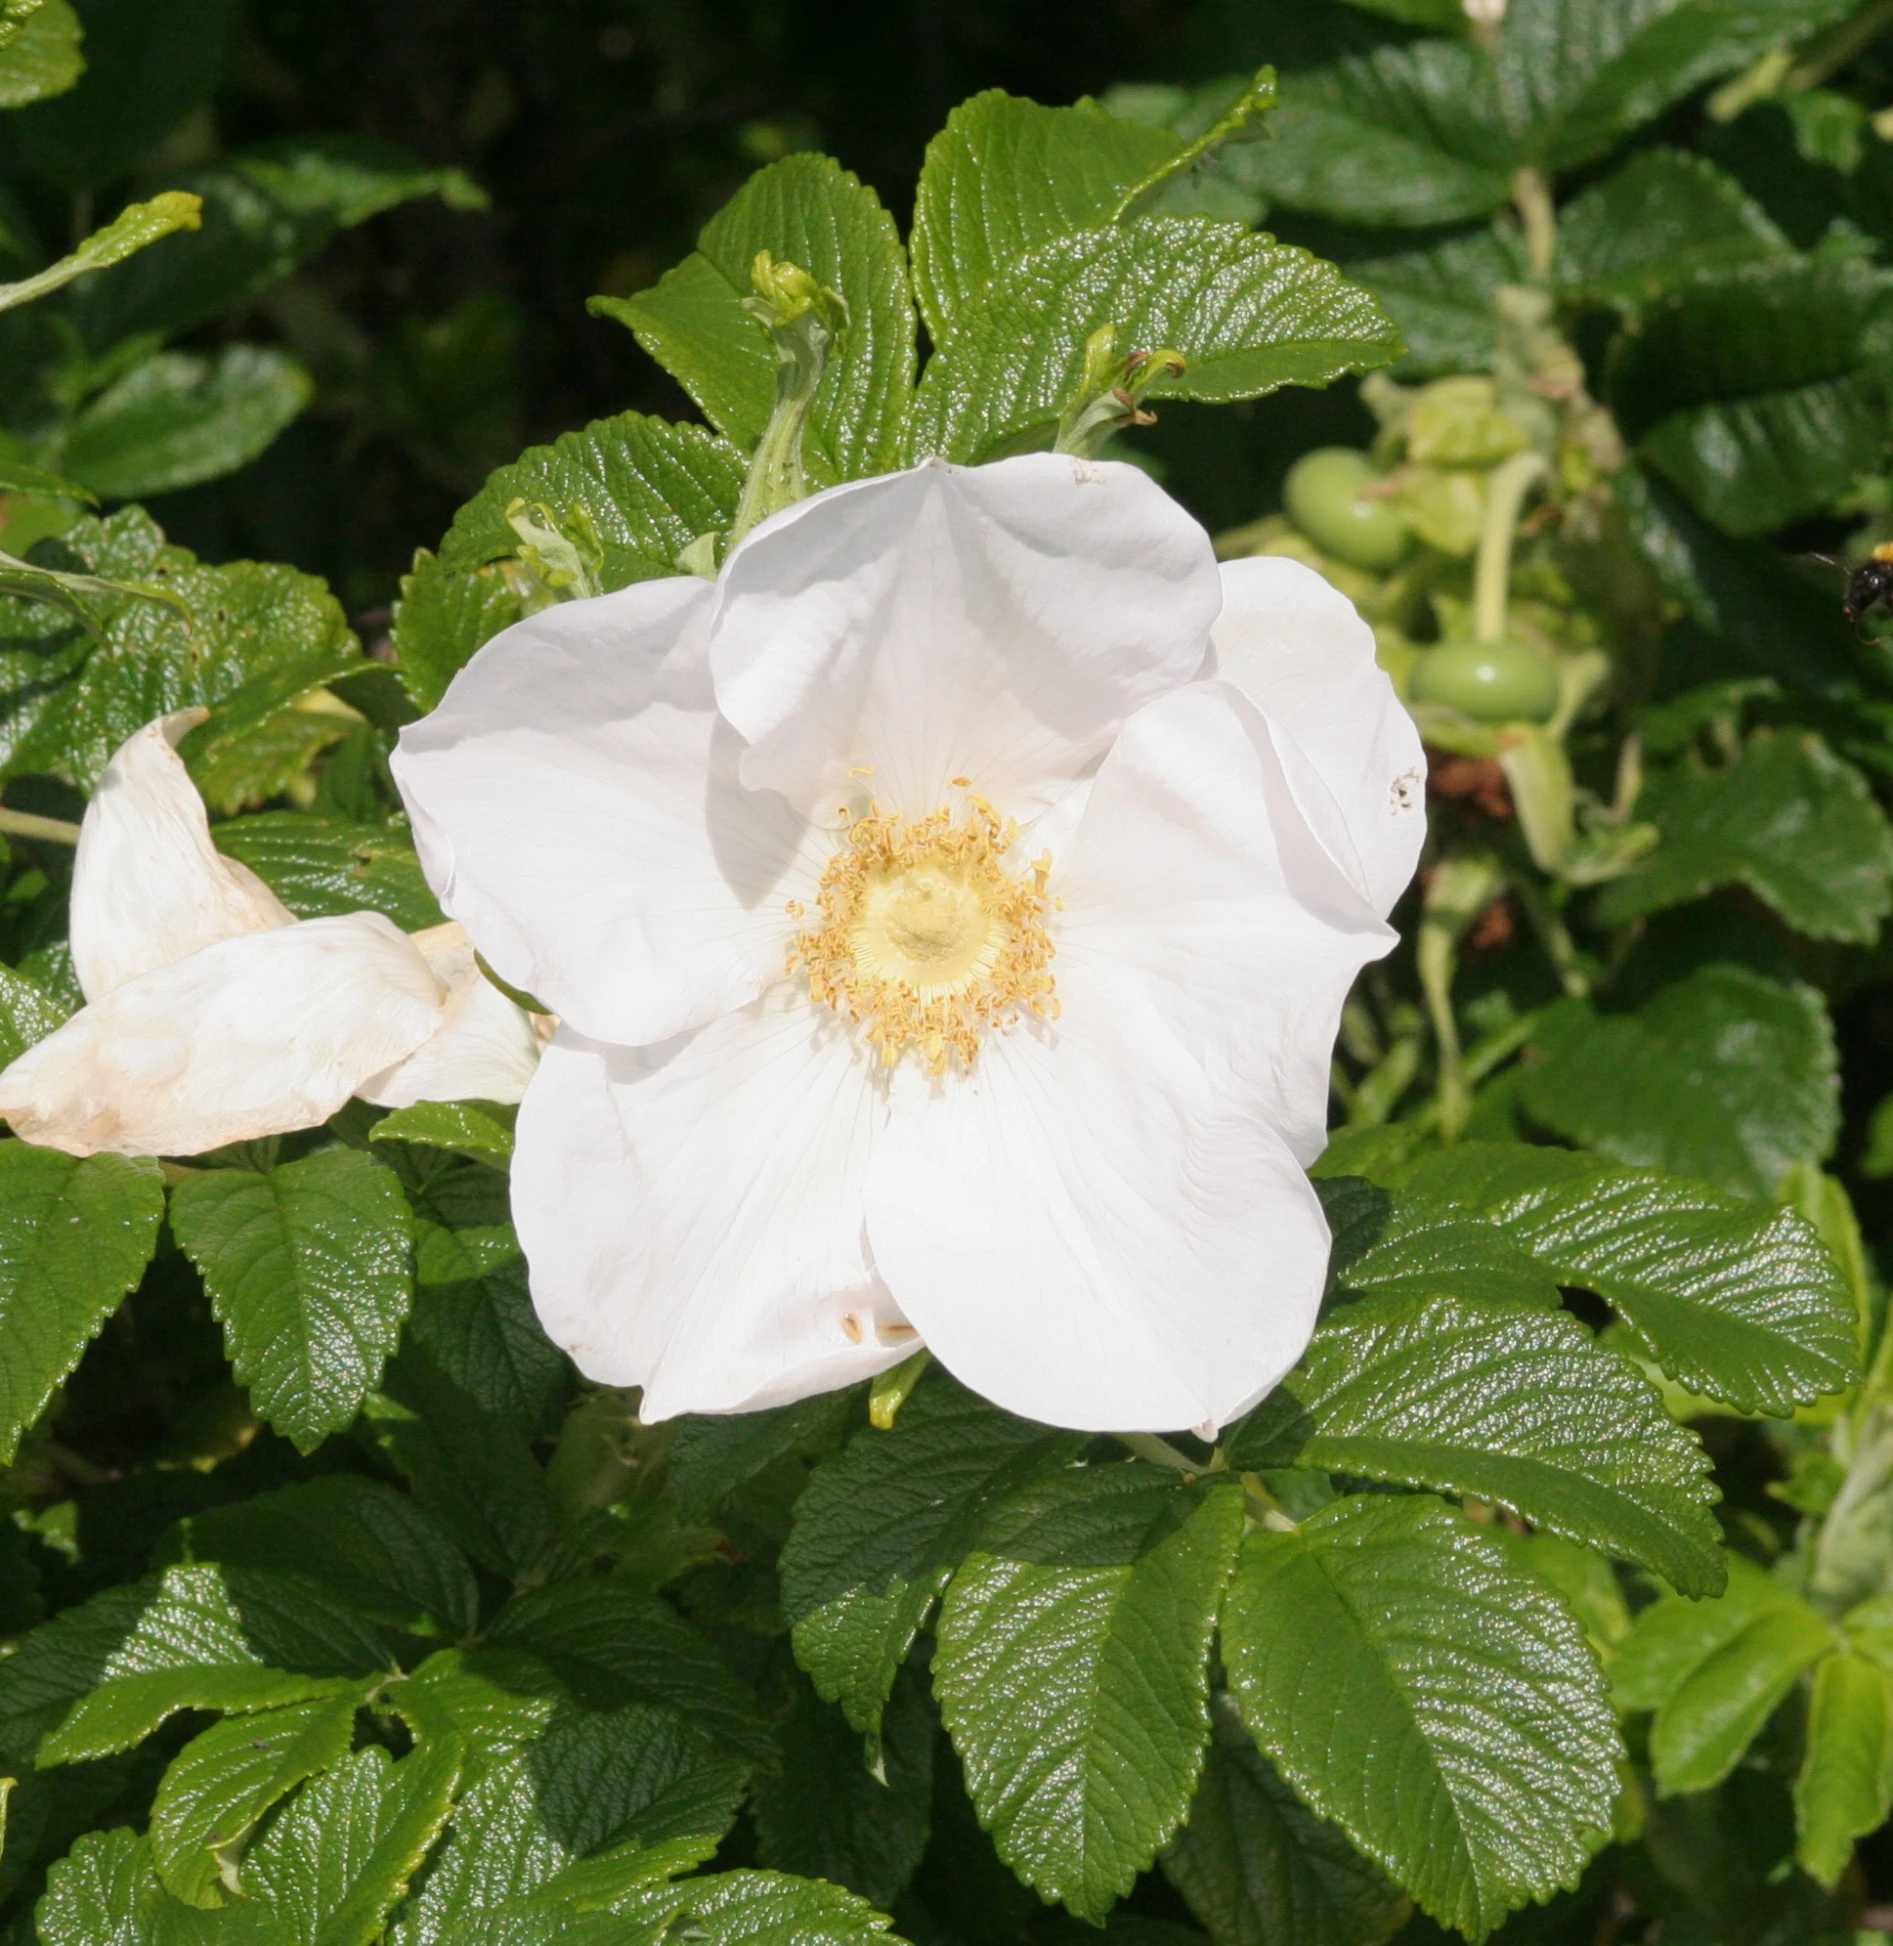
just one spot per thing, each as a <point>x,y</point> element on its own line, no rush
<point>927,939</point>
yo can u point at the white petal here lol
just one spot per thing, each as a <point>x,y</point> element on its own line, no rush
<point>483,1050</point>
<point>253,1036</point>
<point>993,622</point>
<point>576,806</point>
<point>148,886</point>
<point>1195,873</point>
<point>1296,647</point>
<point>691,1213</point>
<point>1092,1231</point>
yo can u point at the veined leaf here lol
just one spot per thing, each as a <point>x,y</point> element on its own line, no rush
<point>1437,1703</point>
<point>1790,820</point>
<point>217,1787</point>
<point>43,57</point>
<point>736,1908</point>
<point>1257,1867</point>
<point>1403,136</point>
<point>1006,175</point>
<point>102,1676</point>
<point>473,1317</point>
<point>101,1893</point>
<point>1846,1782</point>
<point>177,420</point>
<point>1247,314</point>
<point>307,1269</point>
<point>75,1236</point>
<point>813,213</point>
<point>482,1132</point>
<point>321,866</point>
<point>1072,1670</point>
<point>1409,1246</point>
<point>1663,216</point>
<point>444,615</point>
<point>1445,299</point>
<point>1521,1407</point>
<point>879,1530</point>
<point>1740,1303</point>
<point>1723,1075</point>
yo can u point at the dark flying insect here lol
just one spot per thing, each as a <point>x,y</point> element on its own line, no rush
<point>1869,582</point>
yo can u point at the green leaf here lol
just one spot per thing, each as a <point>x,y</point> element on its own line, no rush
<point>130,230</point>
<point>473,1317</point>
<point>217,1787</point>
<point>43,57</point>
<point>101,1893</point>
<point>614,1644</point>
<point>177,420</point>
<point>1754,390</point>
<point>1073,1670</point>
<point>824,1814</point>
<point>1247,314</point>
<point>1663,216</point>
<point>265,212</point>
<point>322,866</point>
<point>102,1676</point>
<point>332,1867</point>
<point>1445,299</point>
<point>307,1269</point>
<point>444,614</point>
<point>809,211</point>
<point>1791,821</point>
<point>75,1236</point>
<point>1701,1731</point>
<point>480,1131</point>
<point>879,1530</point>
<point>713,1454</point>
<point>375,1550</point>
<point>1411,1246</point>
<point>1746,597</point>
<point>1578,75</point>
<point>1846,1783</point>
<point>70,702</point>
<point>1673,1637</point>
<point>28,1013</point>
<point>1006,175</point>
<point>1257,1867</point>
<point>1437,1703</point>
<point>1722,1075</point>
<point>1740,1303</point>
<point>756,1909</point>
<point>1521,1407</point>
<point>1404,136</point>
<point>145,69</point>
<point>644,489</point>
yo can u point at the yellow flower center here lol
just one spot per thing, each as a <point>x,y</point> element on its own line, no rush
<point>926,938</point>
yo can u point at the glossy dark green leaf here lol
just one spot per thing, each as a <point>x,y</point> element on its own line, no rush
<point>1722,1075</point>
<point>1405,136</point>
<point>880,1528</point>
<point>1790,820</point>
<point>1072,1670</point>
<point>1437,1703</point>
<point>444,614</point>
<point>1444,299</point>
<point>1663,216</point>
<point>810,212</point>
<point>473,1317</point>
<point>102,1893</point>
<point>1405,1245</point>
<point>1499,1403</point>
<point>320,866</point>
<point>1258,1867</point>
<point>1742,1303</point>
<point>75,1236</point>
<point>1247,314</point>
<point>307,1269</point>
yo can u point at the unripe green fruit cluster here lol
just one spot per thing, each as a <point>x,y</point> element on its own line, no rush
<point>1492,682</point>
<point>1325,494</point>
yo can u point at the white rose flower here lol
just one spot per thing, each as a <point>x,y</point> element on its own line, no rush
<point>214,1015</point>
<point>950,910</point>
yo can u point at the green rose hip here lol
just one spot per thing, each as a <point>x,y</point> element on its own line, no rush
<point>1325,496</point>
<point>1492,682</point>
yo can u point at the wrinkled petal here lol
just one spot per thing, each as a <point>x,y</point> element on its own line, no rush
<point>576,807</point>
<point>691,1213</point>
<point>1195,872</point>
<point>484,1048</point>
<point>1092,1230</point>
<point>993,622</point>
<point>1298,649</point>
<point>148,886</point>
<point>253,1036</point>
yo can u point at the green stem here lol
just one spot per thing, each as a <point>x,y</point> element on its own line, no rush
<point>1554,935</point>
<point>1147,1446</point>
<point>24,824</point>
<point>1505,492</point>
<point>1531,197</point>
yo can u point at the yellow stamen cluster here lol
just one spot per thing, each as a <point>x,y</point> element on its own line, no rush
<point>926,938</point>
